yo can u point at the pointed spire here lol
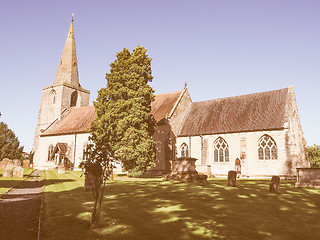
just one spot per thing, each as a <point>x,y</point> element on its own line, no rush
<point>68,66</point>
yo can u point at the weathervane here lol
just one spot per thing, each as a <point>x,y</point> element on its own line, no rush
<point>72,17</point>
<point>185,84</point>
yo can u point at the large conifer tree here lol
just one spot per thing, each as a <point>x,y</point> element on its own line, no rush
<point>9,143</point>
<point>123,127</point>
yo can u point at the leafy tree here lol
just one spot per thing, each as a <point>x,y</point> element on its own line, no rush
<point>9,143</point>
<point>314,155</point>
<point>123,128</point>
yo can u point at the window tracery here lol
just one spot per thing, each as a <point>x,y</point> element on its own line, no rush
<point>221,150</point>
<point>267,148</point>
<point>85,151</point>
<point>184,150</point>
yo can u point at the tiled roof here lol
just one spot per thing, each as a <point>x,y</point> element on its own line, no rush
<point>76,121</point>
<point>163,104</point>
<point>252,112</point>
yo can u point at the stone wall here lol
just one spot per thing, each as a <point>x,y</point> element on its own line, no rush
<point>75,142</point>
<point>251,166</point>
<point>180,111</point>
<point>50,110</point>
<point>165,148</point>
<point>295,142</point>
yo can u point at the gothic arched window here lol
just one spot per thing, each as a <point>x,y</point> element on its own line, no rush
<point>74,98</point>
<point>53,94</point>
<point>221,150</point>
<point>85,151</point>
<point>184,150</point>
<point>267,148</point>
<point>50,153</point>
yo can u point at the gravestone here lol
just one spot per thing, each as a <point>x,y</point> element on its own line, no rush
<point>274,184</point>
<point>25,163</point>
<point>184,169</point>
<point>4,162</point>
<point>16,163</point>
<point>61,169</point>
<point>8,171</point>
<point>91,181</point>
<point>18,172</point>
<point>232,178</point>
<point>308,177</point>
<point>88,181</point>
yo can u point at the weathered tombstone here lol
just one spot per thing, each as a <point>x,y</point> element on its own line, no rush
<point>18,172</point>
<point>4,162</point>
<point>25,163</point>
<point>274,184</point>
<point>232,178</point>
<point>61,169</point>
<point>184,169</point>
<point>16,163</point>
<point>90,181</point>
<point>8,171</point>
<point>308,177</point>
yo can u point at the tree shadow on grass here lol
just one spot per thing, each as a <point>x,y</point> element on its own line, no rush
<point>158,209</point>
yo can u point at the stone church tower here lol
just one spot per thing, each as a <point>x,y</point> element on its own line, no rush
<point>65,92</point>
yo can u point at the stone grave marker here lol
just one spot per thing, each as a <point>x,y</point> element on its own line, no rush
<point>16,163</point>
<point>232,178</point>
<point>26,163</point>
<point>61,169</point>
<point>8,171</point>
<point>90,181</point>
<point>184,169</point>
<point>4,162</point>
<point>18,172</point>
<point>274,184</point>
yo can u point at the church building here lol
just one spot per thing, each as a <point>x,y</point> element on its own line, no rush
<point>257,135</point>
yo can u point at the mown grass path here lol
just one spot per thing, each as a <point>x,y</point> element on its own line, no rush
<point>156,209</point>
<point>19,209</point>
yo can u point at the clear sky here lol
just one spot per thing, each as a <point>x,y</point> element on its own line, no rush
<point>221,48</point>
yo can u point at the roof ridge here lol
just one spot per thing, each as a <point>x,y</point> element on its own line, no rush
<point>241,95</point>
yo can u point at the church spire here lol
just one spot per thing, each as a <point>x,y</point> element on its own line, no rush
<point>68,67</point>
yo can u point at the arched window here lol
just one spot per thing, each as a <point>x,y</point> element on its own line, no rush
<point>50,153</point>
<point>74,98</point>
<point>85,151</point>
<point>184,150</point>
<point>53,94</point>
<point>267,148</point>
<point>221,150</point>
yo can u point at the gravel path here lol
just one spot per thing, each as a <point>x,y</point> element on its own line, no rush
<point>20,208</point>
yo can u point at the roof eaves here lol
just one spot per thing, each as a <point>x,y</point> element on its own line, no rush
<point>64,133</point>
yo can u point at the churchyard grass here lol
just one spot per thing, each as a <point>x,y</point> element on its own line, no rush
<point>6,183</point>
<point>156,209</point>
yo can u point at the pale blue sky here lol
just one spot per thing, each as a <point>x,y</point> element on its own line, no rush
<point>220,48</point>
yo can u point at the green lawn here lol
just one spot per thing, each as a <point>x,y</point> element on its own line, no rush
<point>7,183</point>
<point>153,209</point>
